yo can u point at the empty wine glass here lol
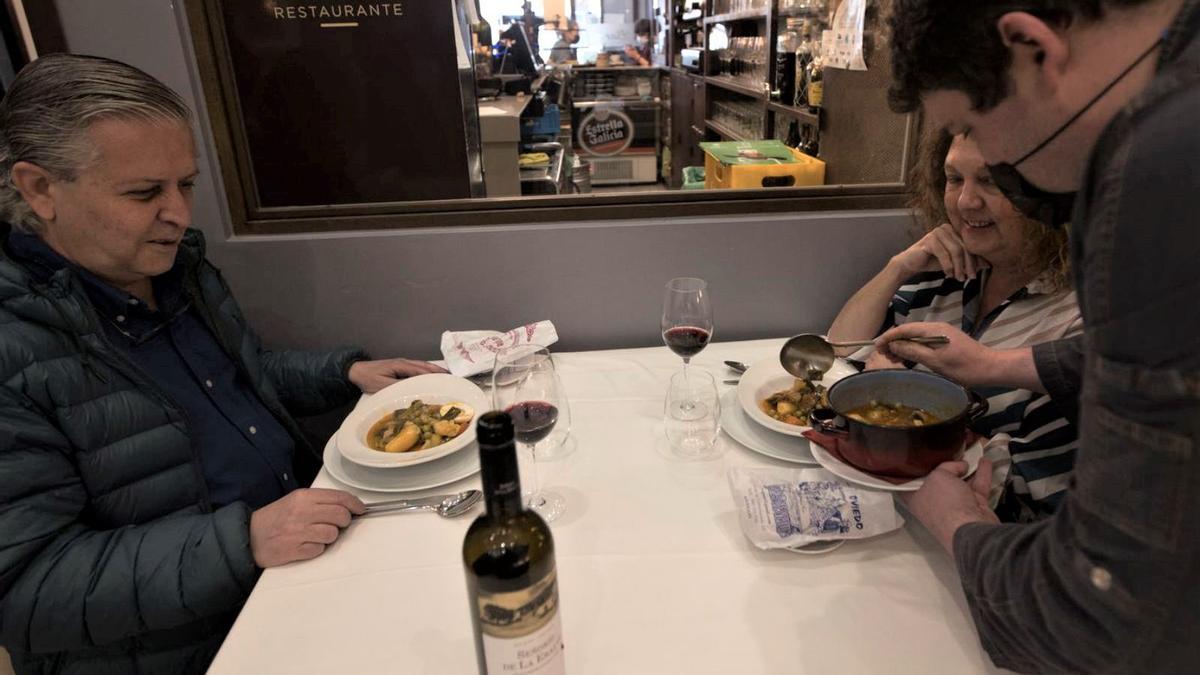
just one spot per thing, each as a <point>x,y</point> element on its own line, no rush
<point>692,415</point>
<point>526,386</point>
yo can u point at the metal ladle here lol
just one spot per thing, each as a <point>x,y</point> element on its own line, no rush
<point>809,356</point>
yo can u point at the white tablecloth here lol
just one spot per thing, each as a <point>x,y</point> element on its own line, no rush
<point>655,574</point>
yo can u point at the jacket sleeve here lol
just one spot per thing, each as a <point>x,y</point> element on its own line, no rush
<point>67,586</point>
<point>306,383</point>
<point>311,383</point>
<point>1060,366</point>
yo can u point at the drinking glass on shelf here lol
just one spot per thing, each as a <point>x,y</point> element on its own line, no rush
<point>526,386</point>
<point>687,317</point>
<point>692,414</point>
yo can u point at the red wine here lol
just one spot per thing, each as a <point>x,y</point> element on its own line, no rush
<point>686,341</point>
<point>533,420</point>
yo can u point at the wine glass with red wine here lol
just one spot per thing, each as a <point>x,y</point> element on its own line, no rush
<point>687,326</point>
<point>687,319</point>
<point>526,386</point>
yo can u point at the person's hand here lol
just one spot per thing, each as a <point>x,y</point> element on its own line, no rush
<point>940,249</point>
<point>300,525</point>
<point>880,361</point>
<point>632,52</point>
<point>964,359</point>
<point>946,502</point>
<point>371,376</point>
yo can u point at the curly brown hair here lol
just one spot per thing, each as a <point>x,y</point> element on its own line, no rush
<point>1045,246</point>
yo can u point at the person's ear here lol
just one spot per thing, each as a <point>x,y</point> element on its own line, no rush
<point>33,183</point>
<point>1039,52</point>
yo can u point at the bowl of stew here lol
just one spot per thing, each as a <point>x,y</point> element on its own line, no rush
<point>899,423</point>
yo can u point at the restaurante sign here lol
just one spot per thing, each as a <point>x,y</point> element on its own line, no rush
<point>345,11</point>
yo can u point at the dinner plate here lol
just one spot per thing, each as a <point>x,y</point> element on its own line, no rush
<point>433,388</point>
<point>760,439</point>
<point>450,469</point>
<point>846,472</point>
<point>767,377</point>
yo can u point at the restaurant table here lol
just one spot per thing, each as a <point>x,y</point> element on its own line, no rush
<point>655,574</point>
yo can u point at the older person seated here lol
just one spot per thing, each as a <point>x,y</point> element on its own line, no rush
<point>987,271</point>
<point>146,437</point>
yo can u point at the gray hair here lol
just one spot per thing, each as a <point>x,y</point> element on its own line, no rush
<point>46,113</point>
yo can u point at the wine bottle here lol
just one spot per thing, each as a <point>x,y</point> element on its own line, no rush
<point>508,557</point>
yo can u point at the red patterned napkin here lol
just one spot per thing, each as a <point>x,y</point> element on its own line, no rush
<point>832,444</point>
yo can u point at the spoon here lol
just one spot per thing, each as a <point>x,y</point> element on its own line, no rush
<point>809,356</point>
<point>738,366</point>
<point>446,506</point>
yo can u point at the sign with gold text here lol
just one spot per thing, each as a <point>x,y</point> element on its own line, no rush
<point>350,102</point>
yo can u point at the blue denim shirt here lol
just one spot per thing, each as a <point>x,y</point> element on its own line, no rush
<point>245,453</point>
<point>1111,583</point>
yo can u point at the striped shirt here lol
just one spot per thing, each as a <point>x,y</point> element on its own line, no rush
<point>1030,442</point>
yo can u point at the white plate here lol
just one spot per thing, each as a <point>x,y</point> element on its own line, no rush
<point>425,476</point>
<point>767,377</point>
<point>434,388</point>
<point>846,472</point>
<point>760,439</point>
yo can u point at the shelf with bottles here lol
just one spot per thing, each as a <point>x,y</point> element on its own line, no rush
<point>804,138</point>
<point>803,8</point>
<point>724,131</point>
<point>749,15</point>
<point>724,11</point>
<point>745,119</point>
<point>802,115</point>
<point>738,85</point>
<point>798,74</point>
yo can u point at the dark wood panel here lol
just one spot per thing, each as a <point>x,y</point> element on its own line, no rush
<point>337,109</point>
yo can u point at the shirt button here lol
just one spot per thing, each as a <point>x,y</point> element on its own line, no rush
<point>253,430</point>
<point>285,477</point>
<point>120,318</point>
<point>1101,578</point>
<point>133,301</point>
<point>208,383</point>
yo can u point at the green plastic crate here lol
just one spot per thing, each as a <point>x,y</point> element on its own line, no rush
<point>693,178</point>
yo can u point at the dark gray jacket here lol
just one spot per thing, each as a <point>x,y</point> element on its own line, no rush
<point>111,558</point>
<point>1111,583</point>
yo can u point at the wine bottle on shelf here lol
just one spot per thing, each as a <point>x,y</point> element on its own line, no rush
<point>508,557</point>
<point>805,51</point>
<point>793,135</point>
<point>816,83</point>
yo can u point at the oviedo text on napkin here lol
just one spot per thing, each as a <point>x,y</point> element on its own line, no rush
<point>781,508</point>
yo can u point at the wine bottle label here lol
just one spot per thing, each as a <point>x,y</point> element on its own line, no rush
<point>521,629</point>
<point>816,93</point>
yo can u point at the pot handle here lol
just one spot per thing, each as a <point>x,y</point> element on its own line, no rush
<point>827,421</point>
<point>978,406</point>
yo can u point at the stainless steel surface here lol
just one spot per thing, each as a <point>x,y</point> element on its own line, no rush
<point>809,354</point>
<point>738,366</point>
<point>447,506</point>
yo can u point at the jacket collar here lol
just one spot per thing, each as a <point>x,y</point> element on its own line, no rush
<point>57,297</point>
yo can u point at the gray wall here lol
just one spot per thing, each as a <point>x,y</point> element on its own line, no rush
<point>394,292</point>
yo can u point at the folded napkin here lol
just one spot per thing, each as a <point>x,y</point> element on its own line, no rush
<point>783,508</point>
<point>833,445</point>
<point>474,351</point>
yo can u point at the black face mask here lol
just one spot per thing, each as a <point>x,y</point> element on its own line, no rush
<point>1051,208</point>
